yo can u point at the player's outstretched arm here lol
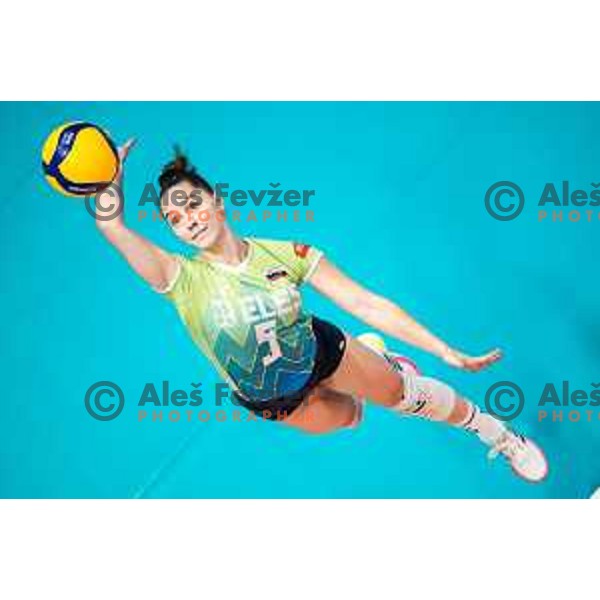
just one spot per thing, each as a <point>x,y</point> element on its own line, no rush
<point>151,263</point>
<point>386,316</point>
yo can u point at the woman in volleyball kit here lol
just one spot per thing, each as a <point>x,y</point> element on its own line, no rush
<point>239,300</point>
<point>249,321</point>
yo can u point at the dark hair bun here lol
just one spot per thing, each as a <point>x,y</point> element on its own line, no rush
<point>180,164</point>
<point>179,169</point>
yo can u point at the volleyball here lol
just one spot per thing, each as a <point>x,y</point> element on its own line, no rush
<point>373,341</point>
<point>79,159</point>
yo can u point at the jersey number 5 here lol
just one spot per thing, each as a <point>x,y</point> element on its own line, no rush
<point>265,332</point>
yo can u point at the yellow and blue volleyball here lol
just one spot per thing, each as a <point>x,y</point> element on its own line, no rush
<point>373,341</point>
<point>79,159</point>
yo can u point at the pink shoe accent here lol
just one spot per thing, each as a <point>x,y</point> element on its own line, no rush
<point>405,364</point>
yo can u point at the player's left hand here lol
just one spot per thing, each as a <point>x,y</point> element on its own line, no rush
<point>471,363</point>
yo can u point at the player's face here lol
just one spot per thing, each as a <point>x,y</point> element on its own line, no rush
<point>193,214</point>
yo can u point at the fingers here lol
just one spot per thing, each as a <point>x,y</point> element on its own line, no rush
<point>481,362</point>
<point>473,363</point>
<point>123,152</point>
<point>496,354</point>
<point>492,357</point>
<point>125,148</point>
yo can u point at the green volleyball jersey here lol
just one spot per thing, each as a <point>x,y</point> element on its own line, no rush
<point>248,319</point>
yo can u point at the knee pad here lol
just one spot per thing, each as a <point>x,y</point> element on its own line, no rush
<point>402,364</point>
<point>427,397</point>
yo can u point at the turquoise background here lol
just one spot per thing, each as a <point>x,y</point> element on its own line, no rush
<point>399,206</point>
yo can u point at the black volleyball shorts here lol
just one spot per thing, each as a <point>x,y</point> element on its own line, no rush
<point>331,345</point>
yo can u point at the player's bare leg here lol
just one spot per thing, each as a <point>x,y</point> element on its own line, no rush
<point>325,411</point>
<point>366,373</point>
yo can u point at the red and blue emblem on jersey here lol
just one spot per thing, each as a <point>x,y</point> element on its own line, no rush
<point>301,250</point>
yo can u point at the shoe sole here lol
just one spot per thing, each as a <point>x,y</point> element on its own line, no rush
<point>547,467</point>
